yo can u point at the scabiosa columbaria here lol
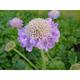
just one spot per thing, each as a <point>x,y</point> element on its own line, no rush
<point>16,22</point>
<point>54,14</point>
<point>40,33</point>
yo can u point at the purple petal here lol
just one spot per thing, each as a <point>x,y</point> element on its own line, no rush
<point>56,34</point>
<point>29,46</point>
<point>33,41</point>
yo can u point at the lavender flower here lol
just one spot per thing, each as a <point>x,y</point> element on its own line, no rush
<point>16,22</point>
<point>39,33</point>
<point>54,14</point>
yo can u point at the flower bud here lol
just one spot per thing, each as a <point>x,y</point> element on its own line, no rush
<point>75,66</point>
<point>10,46</point>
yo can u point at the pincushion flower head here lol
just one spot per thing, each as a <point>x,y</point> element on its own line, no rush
<point>16,22</point>
<point>54,14</point>
<point>39,33</point>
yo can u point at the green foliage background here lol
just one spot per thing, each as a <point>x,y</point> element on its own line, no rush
<point>63,54</point>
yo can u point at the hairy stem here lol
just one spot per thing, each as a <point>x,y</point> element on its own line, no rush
<point>25,58</point>
<point>43,60</point>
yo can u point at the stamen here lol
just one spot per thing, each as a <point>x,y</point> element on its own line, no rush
<point>38,28</point>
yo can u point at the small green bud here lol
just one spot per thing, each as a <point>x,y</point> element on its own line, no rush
<point>10,46</point>
<point>75,66</point>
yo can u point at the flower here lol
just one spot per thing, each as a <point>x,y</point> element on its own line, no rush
<point>16,22</point>
<point>54,14</point>
<point>39,33</point>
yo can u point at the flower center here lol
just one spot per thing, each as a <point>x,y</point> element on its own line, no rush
<point>38,28</point>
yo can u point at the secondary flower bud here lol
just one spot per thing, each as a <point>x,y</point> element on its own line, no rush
<point>16,22</point>
<point>54,14</point>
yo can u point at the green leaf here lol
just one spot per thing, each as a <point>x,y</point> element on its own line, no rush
<point>56,64</point>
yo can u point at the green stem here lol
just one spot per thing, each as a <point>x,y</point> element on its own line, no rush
<point>49,56</point>
<point>26,59</point>
<point>43,59</point>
